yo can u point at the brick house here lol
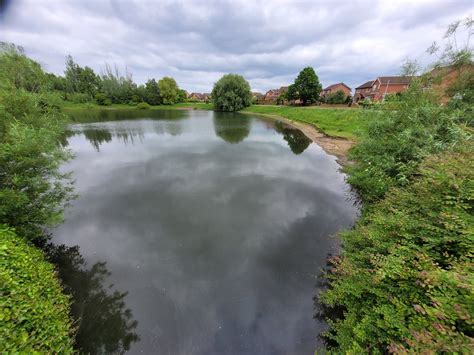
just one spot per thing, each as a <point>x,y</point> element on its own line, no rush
<point>196,96</point>
<point>331,89</point>
<point>258,97</point>
<point>377,89</point>
<point>271,96</point>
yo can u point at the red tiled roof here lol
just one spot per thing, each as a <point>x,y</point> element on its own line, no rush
<point>330,87</point>
<point>365,85</point>
<point>395,80</point>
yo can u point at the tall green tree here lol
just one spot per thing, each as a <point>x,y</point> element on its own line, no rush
<point>306,87</point>
<point>168,90</point>
<point>231,93</point>
<point>152,93</point>
<point>79,79</point>
<point>118,88</point>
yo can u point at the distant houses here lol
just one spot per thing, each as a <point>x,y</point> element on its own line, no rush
<point>373,90</point>
<point>332,89</point>
<point>273,96</point>
<point>258,97</point>
<point>196,96</point>
<point>376,90</point>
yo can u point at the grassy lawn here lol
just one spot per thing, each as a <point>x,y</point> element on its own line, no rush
<point>336,122</point>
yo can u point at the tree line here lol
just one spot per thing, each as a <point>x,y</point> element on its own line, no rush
<point>82,85</point>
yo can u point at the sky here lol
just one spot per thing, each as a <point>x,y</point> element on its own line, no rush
<point>196,42</point>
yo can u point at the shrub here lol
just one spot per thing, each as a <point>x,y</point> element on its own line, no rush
<point>34,314</point>
<point>231,93</point>
<point>33,190</point>
<point>405,280</point>
<point>399,136</point>
<point>337,98</point>
<point>101,99</point>
<point>143,106</point>
<point>78,98</point>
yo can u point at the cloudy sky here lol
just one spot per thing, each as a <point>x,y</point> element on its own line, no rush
<point>197,41</point>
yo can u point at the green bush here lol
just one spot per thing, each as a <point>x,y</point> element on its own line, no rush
<point>102,99</point>
<point>34,313</point>
<point>78,98</point>
<point>231,93</point>
<point>337,98</point>
<point>398,137</point>
<point>405,281</point>
<point>143,106</point>
<point>32,188</point>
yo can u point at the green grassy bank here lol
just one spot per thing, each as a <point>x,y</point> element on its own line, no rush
<point>335,122</point>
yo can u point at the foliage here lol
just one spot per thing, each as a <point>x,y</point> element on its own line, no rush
<point>102,99</point>
<point>22,72</point>
<point>32,188</point>
<point>458,56</point>
<point>80,80</point>
<point>336,98</point>
<point>118,88</point>
<point>398,137</point>
<point>78,98</point>
<point>405,280</point>
<point>231,93</point>
<point>306,87</point>
<point>182,95</point>
<point>34,314</point>
<point>345,123</point>
<point>143,106</point>
<point>168,90</point>
<point>151,93</point>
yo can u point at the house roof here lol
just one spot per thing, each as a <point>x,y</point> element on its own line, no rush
<point>330,87</point>
<point>368,84</point>
<point>394,80</point>
<point>273,91</point>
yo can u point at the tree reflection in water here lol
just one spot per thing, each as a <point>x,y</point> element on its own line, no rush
<point>297,141</point>
<point>231,127</point>
<point>104,323</point>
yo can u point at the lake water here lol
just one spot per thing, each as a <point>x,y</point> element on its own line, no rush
<point>198,233</point>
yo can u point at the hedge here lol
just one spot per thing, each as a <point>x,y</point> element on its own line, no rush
<point>405,280</point>
<point>34,313</point>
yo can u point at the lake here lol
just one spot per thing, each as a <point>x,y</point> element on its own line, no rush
<point>197,233</point>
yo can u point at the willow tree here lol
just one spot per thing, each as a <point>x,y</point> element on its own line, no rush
<point>231,93</point>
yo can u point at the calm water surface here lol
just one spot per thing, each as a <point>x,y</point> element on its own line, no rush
<point>198,233</point>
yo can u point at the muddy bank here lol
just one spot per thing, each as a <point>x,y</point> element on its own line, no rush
<point>339,147</point>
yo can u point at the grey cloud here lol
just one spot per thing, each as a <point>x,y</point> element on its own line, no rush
<point>198,41</point>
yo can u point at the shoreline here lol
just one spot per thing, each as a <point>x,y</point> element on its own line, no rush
<point>339,147</point>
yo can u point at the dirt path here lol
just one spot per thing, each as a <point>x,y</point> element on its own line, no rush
<point>339,147</point>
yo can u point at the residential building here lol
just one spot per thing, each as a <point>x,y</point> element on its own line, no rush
<point>272,96</point>
<point>376,90</point>
<point>331,89</point>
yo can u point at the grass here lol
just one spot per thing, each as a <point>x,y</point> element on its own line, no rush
<point>335,122</point>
